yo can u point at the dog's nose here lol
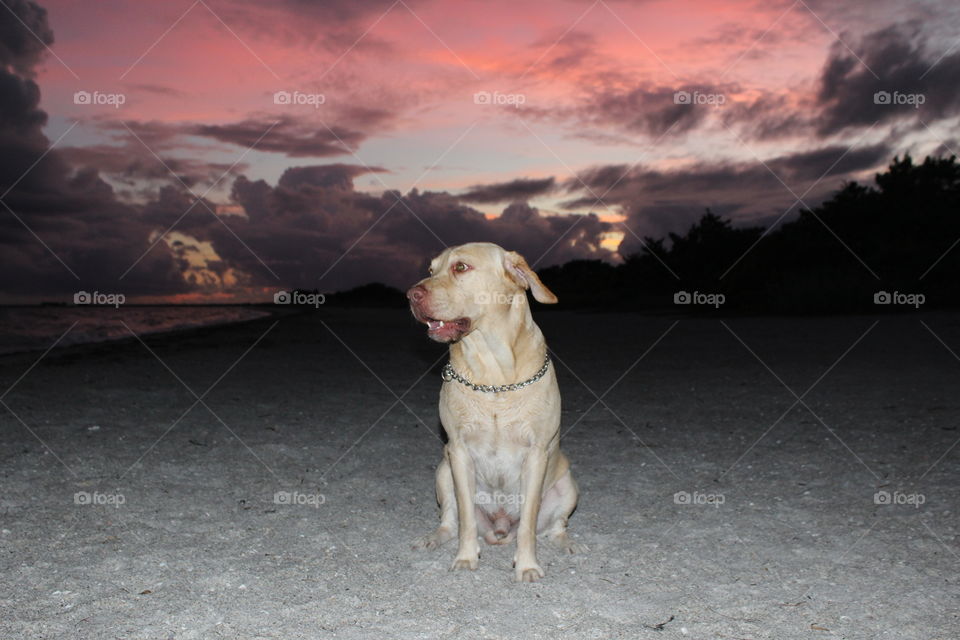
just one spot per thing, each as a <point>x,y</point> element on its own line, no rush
<point>416,293</point>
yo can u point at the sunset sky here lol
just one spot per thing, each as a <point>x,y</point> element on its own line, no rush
<point>563,129</point>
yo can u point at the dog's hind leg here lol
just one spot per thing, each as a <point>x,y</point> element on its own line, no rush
<point>558,503</point>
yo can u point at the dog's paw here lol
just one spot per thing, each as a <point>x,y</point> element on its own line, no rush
<point>433,540</point>
<point>563,542</point>
<point>528,572</point>
<point>566,545</point>
<point>465,562</point>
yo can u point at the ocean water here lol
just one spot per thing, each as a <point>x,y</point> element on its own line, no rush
<point>39,327</point>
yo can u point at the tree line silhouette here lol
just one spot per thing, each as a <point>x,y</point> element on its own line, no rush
<point>900,236</point>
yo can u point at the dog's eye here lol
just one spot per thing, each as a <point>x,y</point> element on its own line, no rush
<point>460,267</point>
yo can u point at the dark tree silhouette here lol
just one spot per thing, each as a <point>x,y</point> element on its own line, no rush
<point>903,234</point>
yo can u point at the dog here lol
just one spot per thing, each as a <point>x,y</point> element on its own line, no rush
<point>502,474</point>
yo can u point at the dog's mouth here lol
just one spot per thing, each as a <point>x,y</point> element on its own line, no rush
<point>444,330</point>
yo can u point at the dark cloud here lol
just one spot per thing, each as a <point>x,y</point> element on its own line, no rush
<point>132,164</point>
<point>770,116</point>
<point>656,202</point>
<point>519,189</point>
<point>835,160</point>
<point>895,64</point>
<point>947,148</point>
<point>294,136</point>
<point>610,113</point>
<point>340,131</point>
<point>895,61</point>
<point>313,219</point>
<point>304,224</point>
<point>336,11</point>
<point>621,183</point>
<point>650,110</point>
<point>327,176</point>
<point>65,229</point>
<point>23,41</point>
<point>561,52</point>
<point>288,136</point>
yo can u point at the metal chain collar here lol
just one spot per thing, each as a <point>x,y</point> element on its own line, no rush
<point>449,374</point>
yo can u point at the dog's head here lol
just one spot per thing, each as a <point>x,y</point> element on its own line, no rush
<point>470,283</point>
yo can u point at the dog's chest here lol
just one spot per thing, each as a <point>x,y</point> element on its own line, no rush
<point>498,448</point>
<point>499,430</point>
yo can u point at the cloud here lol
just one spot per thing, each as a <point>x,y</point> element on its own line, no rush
<point>834,160</point>
<point>655,111</point>
<point>650,110</point>
<point>132,165</point>
<point>59,216</point>
<point>565,52</point>
<point>894,60</point>
<point>514,190</point>
<point>329,11</point>
<point>313,229</point>
<point>292,136</point>
<point>328,176</point>
<point>771,116</point>
<point>288,136</point>
<point>313,217</point>
<point>656,202</point>
<point>23,41</point>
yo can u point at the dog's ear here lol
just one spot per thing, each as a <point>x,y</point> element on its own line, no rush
<point>520,272</point>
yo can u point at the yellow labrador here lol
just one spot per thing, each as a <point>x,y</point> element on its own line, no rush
<point>502,473</point>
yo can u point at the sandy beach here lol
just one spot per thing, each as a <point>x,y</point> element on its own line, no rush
<point>740,478</point>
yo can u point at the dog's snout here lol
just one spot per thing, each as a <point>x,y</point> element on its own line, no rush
<point>416,293</point>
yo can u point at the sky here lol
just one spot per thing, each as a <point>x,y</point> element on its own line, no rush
<point>222,150</point>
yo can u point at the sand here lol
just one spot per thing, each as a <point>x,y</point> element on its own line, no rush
<point>283,504</point>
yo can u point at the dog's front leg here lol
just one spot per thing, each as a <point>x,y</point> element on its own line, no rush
<point>465,485</point>
<point>526,568</point>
